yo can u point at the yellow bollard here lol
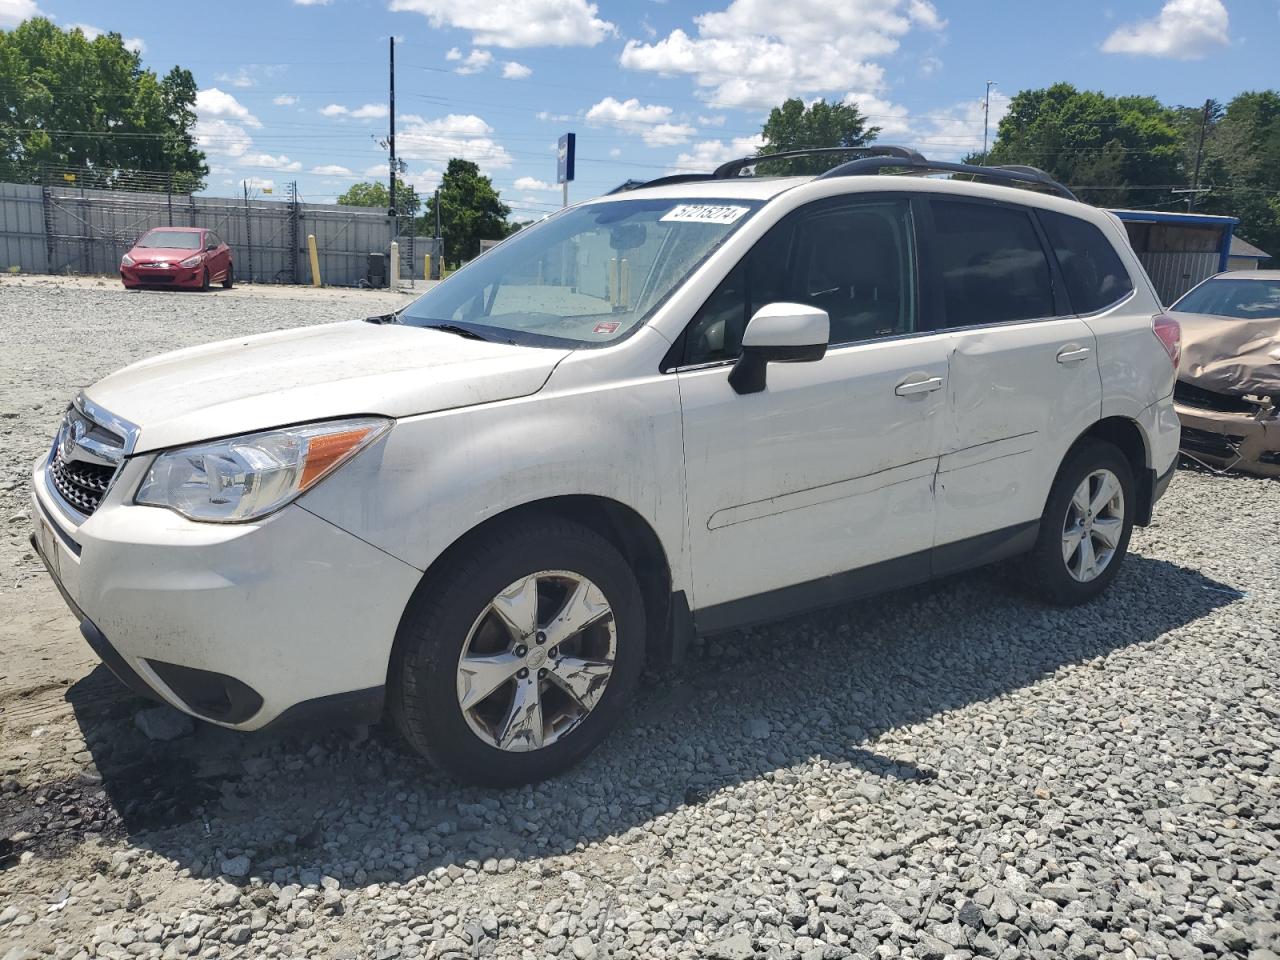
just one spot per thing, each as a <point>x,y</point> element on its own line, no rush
<point>315,260</point>
<point>426,266</point>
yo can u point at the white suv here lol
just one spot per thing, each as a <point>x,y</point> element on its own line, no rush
<point>707,402</point>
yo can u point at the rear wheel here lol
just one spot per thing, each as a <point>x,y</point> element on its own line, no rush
<point>229,280</point>
<point>517,661</point>
<point>1085,530</point>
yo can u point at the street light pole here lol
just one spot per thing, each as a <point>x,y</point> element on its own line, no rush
<point>986,120</point>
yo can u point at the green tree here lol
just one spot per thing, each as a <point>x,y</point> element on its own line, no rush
<point>1113,151</point>
<point>470,211</point>
<point>376,194</point>
<point>1242,167</point>
<point>89,109</point>
<point>793,126</point>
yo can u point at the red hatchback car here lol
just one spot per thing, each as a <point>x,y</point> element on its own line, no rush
<point>177,257</point>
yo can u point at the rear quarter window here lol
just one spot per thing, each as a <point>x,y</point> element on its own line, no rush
<point>1092,271</point>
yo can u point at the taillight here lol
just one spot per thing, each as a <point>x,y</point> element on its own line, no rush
<point>1169,333</point>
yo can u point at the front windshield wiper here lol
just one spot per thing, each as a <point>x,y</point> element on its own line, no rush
<point>393,317</point>
<point>454,328</point>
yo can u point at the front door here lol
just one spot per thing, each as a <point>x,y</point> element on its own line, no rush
<point>821,486</point>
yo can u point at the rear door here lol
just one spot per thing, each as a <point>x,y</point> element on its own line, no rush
<point>1023,383</point>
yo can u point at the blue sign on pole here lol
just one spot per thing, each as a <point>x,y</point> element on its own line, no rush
<point>564,158</point>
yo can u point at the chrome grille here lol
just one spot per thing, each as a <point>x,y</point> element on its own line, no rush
<point>81,484</point>
<point>89,449</point>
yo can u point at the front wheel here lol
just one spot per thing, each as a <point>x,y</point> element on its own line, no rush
<point>229,280</point>
<point>517,661</point>
<point>204,281</point>
<point>1085,530</point>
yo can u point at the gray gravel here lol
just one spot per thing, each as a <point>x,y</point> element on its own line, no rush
<point>947,772</point>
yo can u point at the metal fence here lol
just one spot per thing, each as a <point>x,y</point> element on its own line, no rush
<point>80,230</point>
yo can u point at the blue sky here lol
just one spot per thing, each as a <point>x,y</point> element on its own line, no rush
<point>297,89</point>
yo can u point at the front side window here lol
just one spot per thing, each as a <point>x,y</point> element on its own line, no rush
<point>586,276</point>
<point>1232,297</point>
<point>992,266</point>
<point>171,240</point>
<point>853,260</point>
<point>1092,271</point>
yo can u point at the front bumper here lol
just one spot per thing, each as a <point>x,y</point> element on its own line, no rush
<point>180,277</point>
<point>238,624</point>
<point>1236,441</point>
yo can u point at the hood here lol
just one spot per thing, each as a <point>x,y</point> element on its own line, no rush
<point>315,373</point>
<point>159,254</point>
<point>1230,355</point>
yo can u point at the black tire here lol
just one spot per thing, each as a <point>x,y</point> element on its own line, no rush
<point>204,282</point>
<point>229,280</point>
<point>1047,575</point>
<point>422,681</point>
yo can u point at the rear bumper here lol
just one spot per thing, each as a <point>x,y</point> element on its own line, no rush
<point>1237,441</point>
<point>242,625</point>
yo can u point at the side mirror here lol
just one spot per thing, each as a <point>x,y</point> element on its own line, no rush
<point>211,246</point>
<point>779,333</point>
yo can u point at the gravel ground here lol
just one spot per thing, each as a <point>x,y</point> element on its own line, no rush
<point>948,772</point>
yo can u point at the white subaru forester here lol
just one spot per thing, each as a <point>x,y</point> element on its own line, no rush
<point>707,402</point>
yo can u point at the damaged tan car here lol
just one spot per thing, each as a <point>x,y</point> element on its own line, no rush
<point>1228,388</point>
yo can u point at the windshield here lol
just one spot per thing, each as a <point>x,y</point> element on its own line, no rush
<point>588,275</point>
<point>173,239</point>
<point>1241,299</point>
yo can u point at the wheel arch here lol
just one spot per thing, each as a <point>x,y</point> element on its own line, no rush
<point>1127,435</point>
<point>626,530</point>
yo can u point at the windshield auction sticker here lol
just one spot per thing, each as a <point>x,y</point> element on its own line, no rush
<point>704,213</point>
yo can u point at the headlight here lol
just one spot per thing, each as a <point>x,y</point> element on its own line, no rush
<point>192,261</point>
<point>244,478</point>
<point>126,261</point>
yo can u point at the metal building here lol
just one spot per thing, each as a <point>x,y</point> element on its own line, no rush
<point>1179,250</point>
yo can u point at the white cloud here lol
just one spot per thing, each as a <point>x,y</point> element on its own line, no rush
<point>217,103</point>
<point>756,52</point>
<point>951,133</point>
<point>615,151</point>
<point>709,154</point>
<point>455,135</point>
<point>241,78</point>
<point>652,121</point>
<point>929,66</point>
<point>285,100</point>
<point>331,170</point>
<point>90,32</point>
<point>474,62</point>
<point>516,23</point>
<point>265,184</point>
<point>515,71</point>
<point>1182,30</point>
<point>532,183</point>
<point>312,3</point>
<point>546,117</point>
<point>891,118</point>
<point>370,111</point>
<point>223,123</point>
<point>13,12</point>
<point>268,162</point>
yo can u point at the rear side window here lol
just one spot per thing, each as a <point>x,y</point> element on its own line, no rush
<point>1092,271</point>
<point>991,263</point>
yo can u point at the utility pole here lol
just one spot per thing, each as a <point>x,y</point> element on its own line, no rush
<point>1195,180</point>
<point>439,239</point>
<point>391,141</point>
<point>986,120</point>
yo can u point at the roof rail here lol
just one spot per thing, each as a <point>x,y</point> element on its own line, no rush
<point>734,168</point>
<point>1010,174</point>
<point>660,182</point>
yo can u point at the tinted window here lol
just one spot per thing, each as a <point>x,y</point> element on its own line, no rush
<point>853,261</point>
<point>992,265</point>
<point>1231,297</point>
<point>1094,276</point>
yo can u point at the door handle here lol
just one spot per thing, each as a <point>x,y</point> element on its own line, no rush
<point>1071,353</point>
<point>913,387</point>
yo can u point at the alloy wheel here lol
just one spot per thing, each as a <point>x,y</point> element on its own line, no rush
<point>536,661</point>
<point>1093,525</point>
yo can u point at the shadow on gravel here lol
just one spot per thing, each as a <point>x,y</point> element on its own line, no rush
<point>363,809</point>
